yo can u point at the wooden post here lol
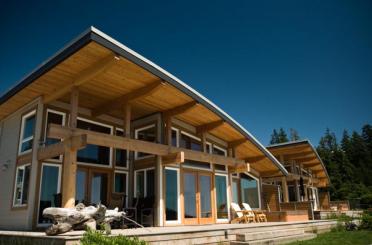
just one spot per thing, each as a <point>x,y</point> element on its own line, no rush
<point>70,157</point>
<point>285,190</point>
<point>168,130</point>
<point>204,142</point>
<point>127,119</point>
<point>297,191</point>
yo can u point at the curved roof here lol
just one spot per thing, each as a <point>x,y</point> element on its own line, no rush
<point>94,35</point>
<point>304,152</point>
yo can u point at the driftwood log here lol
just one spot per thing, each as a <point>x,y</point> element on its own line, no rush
<point>79,217</point>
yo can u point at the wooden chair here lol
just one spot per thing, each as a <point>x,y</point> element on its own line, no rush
<point>243,216</point>
<point>117,200</point>
<point>260,215</point>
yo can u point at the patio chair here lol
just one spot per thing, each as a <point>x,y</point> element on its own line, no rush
<point>260,215</point>
<point>147,211</point>
<point>243,216</point>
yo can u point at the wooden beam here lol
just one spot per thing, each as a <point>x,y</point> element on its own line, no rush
<point>173,158</point>
<point>236,143</point>
<point>285,189</point>
<point>128,98</point>
<point>83,77</point>
<point>95,138</point>
<point>254,159</point>
<point>75,143</point>
<point>271,173</point>
<point>168,130</point>
<point>306,159</point>
<point>291,156</point>
<point>180,109</point>
<point>74,98</point>
<point>127,111</point>
<point>209,127</point>
<point>24,158</point>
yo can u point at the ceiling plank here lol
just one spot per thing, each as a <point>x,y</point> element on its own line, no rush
<point>236,143</point>
<point>128,98</point>
<point>83,77</point>
<point>209,126</point>
<point>254,159</point>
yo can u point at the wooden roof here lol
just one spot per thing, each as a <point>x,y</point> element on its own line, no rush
<point>129,74</point>
<point>302,152</point>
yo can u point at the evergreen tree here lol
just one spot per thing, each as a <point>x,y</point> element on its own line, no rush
<point>274,137</point>
<point>294,136</point>
<point>282,136</point>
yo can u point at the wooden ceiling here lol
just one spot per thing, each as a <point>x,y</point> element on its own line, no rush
<point>122,78</point>
<point>301,152</point>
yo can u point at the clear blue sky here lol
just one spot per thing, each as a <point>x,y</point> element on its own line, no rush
<point>269,64</point>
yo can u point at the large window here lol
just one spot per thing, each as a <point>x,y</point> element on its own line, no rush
<point>249,190</point>
<point>50,187</point>
<point>121,182</point>
<point>54,117</point>
<point>190,142</point>
<point>147,133</point>
<point>171,195</point>
<point>144,183</point>
<point>22,182</point>
<point>235,190</point>
<point>27,132</point>
<point>121,156</point>
<point>221,196</point>
<point>93,153</point>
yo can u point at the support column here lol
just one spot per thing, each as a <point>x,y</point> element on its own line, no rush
<point>127,119</point>
<point>298,197</point>
<point>70,157</point>
<point>285,190</point>
<point>168,130</point>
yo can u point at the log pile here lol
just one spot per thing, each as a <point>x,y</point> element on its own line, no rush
<point>79,217</point>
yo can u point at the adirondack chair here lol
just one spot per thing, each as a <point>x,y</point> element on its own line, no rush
<point>243,216</point>
<point>260,215</point>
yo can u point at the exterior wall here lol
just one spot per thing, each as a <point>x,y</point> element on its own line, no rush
<point>290,206</point>
<point>324,200</point>
<point>19,218</point>
<point>270,199</point>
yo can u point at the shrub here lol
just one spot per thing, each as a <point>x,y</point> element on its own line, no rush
<point>366,220</point>
<point>92,237</point>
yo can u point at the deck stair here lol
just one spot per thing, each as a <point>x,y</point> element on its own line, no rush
<point>272,237</point>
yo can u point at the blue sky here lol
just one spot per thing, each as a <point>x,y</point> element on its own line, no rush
<point>294,64</point>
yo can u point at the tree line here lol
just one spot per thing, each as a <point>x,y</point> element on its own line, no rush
<point>348,161</point>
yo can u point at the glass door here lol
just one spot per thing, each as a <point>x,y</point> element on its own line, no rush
<point>92,186</point>
<point>197,195</point>
<point>98,188</point>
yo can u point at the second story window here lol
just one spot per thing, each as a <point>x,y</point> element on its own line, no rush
<point>54,117</point>
<point>190,142</point>
<point>21,185</point>
<point>147,133</point>
<point>27,132</point>
<point>93,153</point>
<point>121,156</point>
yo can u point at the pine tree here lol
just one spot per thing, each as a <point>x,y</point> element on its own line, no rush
<point>294,136</point>
<point>274,137</point>
<point>282,136</point>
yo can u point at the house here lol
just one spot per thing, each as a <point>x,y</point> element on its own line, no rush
<point>306,185</point>
<point>98,120</point>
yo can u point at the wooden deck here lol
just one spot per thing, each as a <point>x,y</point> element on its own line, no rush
<point>198,234</point>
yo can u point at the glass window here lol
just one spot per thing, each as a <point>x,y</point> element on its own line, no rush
<point>220,167</point>
<point>292,193</point>
<point>94,153</point>
<point>120,182</point>
<point>195,164</point>
<point>221,194</point>
<point>174,137</point>
<point>249,190</point>
<point>81,178</point>
<point>189,194</point>
<point>121,156</point>
<point>171,194</point>
<point>219,151</point>
<point>99,189</point>
<point>191,143</point>
<point>145,181</point>
<point>147,134</point>
<point>27,132</point>
<point>49,190</point>
<point>235,190</point>
<point>21,185</point>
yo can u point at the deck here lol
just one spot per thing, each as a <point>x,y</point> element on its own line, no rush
<point>198,234</point>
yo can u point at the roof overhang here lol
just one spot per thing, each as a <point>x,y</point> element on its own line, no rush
<point>94,35</point>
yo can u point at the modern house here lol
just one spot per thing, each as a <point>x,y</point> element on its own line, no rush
<point>305,186</point>
<point>97,121</point>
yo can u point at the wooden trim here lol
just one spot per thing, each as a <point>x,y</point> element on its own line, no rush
<point>127,98</point>
<point>83,77</point>
<point>174,158</point>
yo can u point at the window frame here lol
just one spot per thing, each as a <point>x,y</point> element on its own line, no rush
<point>110,148</point>
<point>225,151</point>
<point>177,136</point>
<point>227,198</point>
<point>179,219</point>
<point>21,140</point>
<point>258,189</point>
<point>153,125</point>
<point>115,149</point>
<point>144,180</point>
<point>126,184</point>
<point>63,114</point>
<point>40,182</point>
<point>14,205</point>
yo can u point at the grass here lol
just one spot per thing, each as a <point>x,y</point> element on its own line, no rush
<point>340,237</point>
